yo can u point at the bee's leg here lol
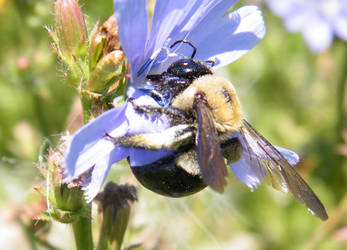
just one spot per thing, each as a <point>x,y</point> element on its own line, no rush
<point>171,138</point>
<point>173,113</point>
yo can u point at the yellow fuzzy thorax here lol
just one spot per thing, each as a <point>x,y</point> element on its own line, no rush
<point>221,98</point>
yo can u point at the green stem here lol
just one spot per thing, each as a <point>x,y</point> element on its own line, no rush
<point>82,228</point>
<point>103,243</point>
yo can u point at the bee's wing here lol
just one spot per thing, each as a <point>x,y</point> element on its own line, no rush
<point>247,166</point>
<point>210,157</point>
<point>266,161</point>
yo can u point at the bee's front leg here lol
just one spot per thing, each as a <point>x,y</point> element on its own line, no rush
<point>175,115</point>
<point>171,138</point>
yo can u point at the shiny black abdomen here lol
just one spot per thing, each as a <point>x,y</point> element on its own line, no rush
<point>166,178</point>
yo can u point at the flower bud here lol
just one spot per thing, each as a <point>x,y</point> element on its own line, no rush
<point>68,199</point>
<point>110,29</point>
<point>71,30</point>
<point>106,57</point>
<point>104,40</point>
<point>65,201</point>
<point>115,202</point>
<point>108,70</point>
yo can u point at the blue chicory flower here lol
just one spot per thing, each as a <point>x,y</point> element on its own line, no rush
<point>217,36</point>
<point>317,20</point>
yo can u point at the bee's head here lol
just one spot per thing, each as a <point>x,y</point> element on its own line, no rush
<point>188,68</point>
<point>178,76</point>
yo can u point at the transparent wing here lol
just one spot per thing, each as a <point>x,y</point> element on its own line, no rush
<point>267,162</point>
<point>210,157</point>
<point>253,174</point>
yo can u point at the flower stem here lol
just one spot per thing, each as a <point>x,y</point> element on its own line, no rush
<point>82,228</point>
<point>103,243</point>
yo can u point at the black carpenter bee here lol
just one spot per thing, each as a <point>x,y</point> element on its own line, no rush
<point>208,132</point>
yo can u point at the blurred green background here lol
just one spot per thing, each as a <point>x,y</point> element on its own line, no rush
<point>294,98</point>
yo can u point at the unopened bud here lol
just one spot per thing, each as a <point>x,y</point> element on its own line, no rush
<point>106,57</point>
<point>71,30</point>
<point>68,199</point>
<point>115,203</point>
<point>108,70</point>
<point>110,29</point>
<point>104,40</point>
<point>64,201</point>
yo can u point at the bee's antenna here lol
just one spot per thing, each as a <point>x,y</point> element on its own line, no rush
<point>185,41</point>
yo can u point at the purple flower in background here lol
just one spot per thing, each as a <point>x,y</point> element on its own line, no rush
<point>217,36</point>
<point>317,20</point>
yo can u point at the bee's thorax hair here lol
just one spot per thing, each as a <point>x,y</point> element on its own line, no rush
<point>220,96</point>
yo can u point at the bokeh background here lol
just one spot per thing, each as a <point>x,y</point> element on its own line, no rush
<point>294,98</point>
